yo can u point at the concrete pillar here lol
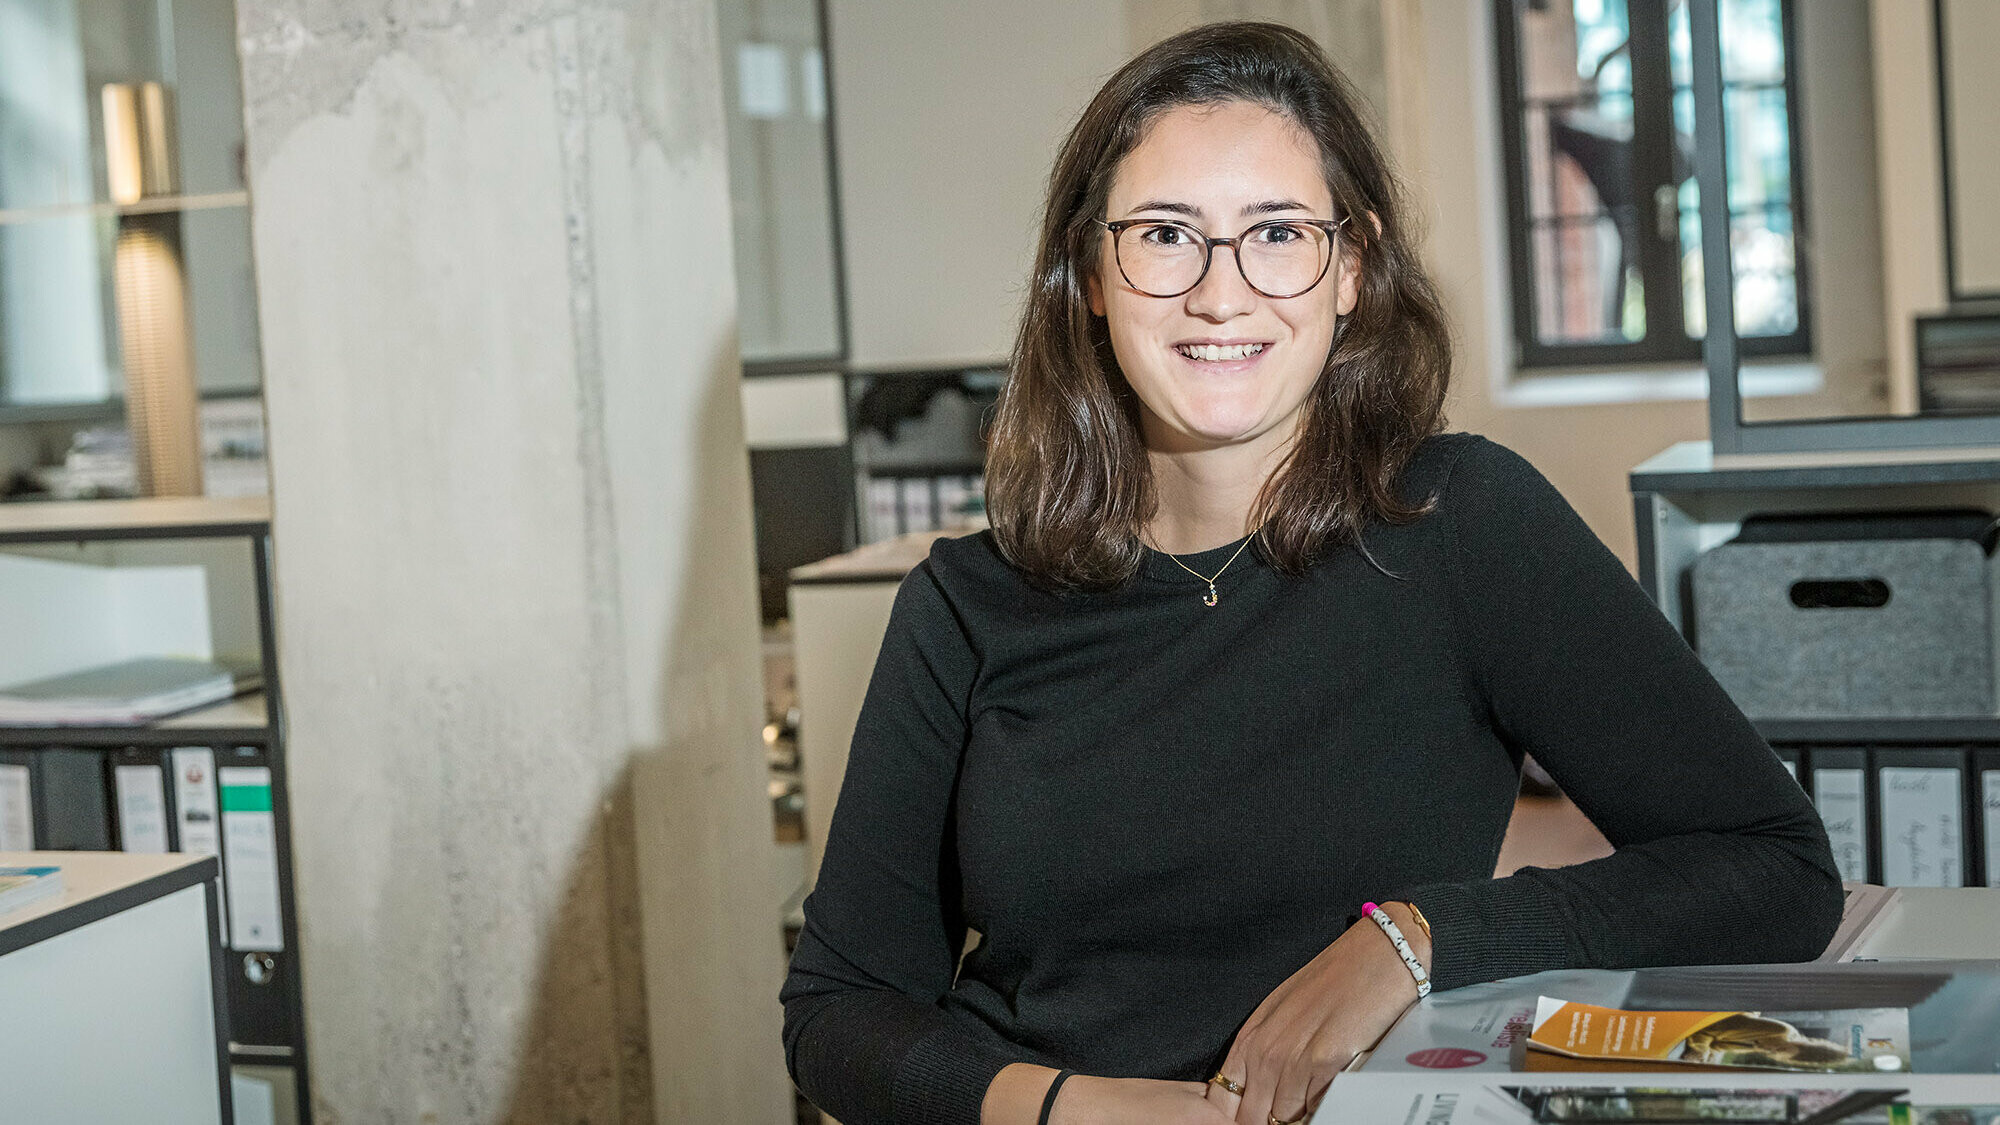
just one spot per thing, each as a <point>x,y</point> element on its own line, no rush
<point>515,583</point>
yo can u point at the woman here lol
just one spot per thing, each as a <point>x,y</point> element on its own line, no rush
<point>1252,645</point>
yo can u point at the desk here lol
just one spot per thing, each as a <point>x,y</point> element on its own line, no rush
<point>1956,923</point>
<point>840,609</point>
<point>111,1001</point>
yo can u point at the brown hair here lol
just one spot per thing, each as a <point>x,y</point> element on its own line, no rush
<point>1069,485</point>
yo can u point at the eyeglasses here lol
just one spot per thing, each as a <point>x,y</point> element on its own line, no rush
<point>1278,258</point>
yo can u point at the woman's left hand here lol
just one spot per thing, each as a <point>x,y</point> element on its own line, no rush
<point>1313,1025</point>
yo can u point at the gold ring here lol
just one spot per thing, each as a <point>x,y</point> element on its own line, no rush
<point>1273,1120</point>
<point>1227,1083</point>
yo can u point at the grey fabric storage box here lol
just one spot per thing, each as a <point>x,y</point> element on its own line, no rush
<point>1927,650</point>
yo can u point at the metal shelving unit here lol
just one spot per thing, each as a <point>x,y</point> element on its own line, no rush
<point>265,994</point>
<point>1687,500</point>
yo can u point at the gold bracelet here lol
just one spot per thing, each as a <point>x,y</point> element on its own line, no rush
<point>1421,920</point>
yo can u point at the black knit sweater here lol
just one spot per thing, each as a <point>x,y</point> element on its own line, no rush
<point>1154,811</point>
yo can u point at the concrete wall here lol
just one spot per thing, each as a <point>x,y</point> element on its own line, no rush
<point>515,578</point>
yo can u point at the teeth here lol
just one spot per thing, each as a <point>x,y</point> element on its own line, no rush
<point>1217,352</point>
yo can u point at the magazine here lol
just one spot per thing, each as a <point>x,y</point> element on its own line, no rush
<point>1846,1041</point>
<point>20,886</point>
<point>1953,1006</point>
<point>1460,1098</point>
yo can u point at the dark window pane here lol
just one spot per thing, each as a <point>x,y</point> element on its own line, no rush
<point>1579,158</point>
<point>1586,285</point>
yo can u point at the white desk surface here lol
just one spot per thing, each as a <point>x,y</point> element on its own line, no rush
<point>1954,923</point>
<point>89,875</point>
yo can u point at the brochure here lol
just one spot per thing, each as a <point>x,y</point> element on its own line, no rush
<point>1855,1040</point>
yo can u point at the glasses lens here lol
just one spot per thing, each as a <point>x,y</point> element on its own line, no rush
<point>1160,259</point>
<point>1284,259</point>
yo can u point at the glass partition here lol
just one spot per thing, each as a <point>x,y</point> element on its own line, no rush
<point>124,223</point>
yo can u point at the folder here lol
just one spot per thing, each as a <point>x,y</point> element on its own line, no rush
<point>1840,792</point>
<point>1789,757</point>
<point>250,852</point>
<point>55,798</point>
<point>198,816</point>
<point>139,796</point>
<point>919,508</point>
<point>17,801</point>
<point>1921,796</point>
<point>1986,790</point>
<point>262,990</point>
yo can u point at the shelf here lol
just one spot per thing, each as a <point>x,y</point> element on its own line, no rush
<point>1691,467</point>
<point>158,205</point>
<point>245,719</point>
<point>99,410</point>
<point>193,517</point>
<point>1927,732</point>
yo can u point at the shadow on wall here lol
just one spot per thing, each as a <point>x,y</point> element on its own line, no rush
<point>682,835</point>
<point>575,1065</point>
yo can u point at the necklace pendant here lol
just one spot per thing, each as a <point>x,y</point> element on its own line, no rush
<point>1210,599</point>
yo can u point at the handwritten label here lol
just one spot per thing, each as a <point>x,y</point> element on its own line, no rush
<point>1922,838</point>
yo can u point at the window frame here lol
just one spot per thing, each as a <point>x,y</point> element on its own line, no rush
<point>1659,262</point>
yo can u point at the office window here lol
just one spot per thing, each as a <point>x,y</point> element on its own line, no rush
<point>1605,221</point>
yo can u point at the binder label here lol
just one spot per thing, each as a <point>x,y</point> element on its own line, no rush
<point>1990,803</point>
<point>142,808</point>
<point>1843,806</point>
<point>250,848</point>
<point>1922,839</point>
<point>17,815</point>
<point>196,815</point>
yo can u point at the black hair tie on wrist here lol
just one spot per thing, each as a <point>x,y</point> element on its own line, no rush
<point>1049,1102</point>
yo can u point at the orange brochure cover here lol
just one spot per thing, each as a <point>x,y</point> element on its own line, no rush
<point>1868,1040</point>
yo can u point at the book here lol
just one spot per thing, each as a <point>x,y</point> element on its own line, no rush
<point>20,886</point>
<point>1847,1041</point>
<point>124,694</point>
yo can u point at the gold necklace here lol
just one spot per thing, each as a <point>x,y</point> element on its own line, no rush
<point>1211,599</point>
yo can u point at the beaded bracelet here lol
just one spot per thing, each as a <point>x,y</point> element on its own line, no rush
<point>1049,1102</point>
<point>1395,935</point>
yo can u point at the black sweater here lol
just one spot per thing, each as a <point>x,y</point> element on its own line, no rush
<point>1154,811</point>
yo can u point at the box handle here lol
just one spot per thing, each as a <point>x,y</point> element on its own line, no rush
<point>1840,593</point>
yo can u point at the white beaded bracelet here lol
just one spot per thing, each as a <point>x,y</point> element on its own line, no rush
<point>1395,935</point>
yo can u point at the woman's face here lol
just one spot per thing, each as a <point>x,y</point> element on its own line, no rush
<point>1221,169</point>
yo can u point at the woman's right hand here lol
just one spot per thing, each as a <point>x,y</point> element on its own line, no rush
<point>1085,1100</point>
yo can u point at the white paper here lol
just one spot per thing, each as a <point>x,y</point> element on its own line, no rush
<point>142,808</point>
<point>762,80</point>
<point>250,848</point>
<point>1990,802</point>
<point>1922,833</point>
<point>196,814</point>
<point>17,814</point>
<point>1843,805</point>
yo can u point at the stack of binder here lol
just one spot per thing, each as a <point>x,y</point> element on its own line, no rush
<point>1906,816</point>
